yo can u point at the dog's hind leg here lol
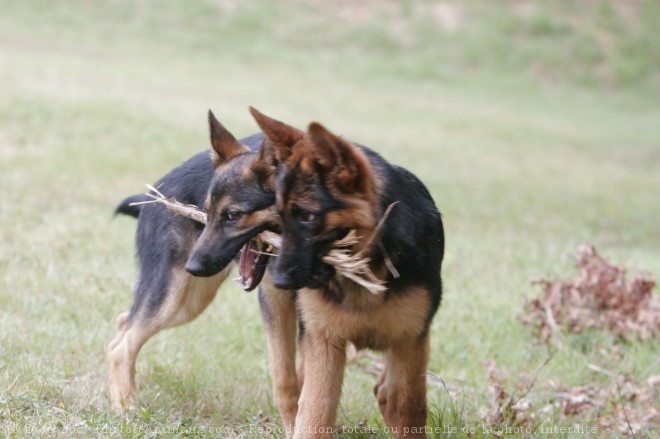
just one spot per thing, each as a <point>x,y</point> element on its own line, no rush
<point>380,388</point>
<point>278,311</point>
<point>121,365</point>
<point>401,389</point>
<point>184,298</point>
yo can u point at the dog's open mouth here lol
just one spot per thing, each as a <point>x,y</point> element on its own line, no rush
<point>252,263</point>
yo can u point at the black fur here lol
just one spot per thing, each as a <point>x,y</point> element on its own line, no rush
<point>125,207</point>
<point>413,234</point>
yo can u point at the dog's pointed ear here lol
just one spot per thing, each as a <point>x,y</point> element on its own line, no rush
<point>282,136</point>
<point>225,146</point>
<point>340,160</point>
<point>328,149</point>
<point>265,164</point>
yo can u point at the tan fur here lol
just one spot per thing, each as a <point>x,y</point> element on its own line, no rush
<point>280,325</point>
<point>246,221</point>
<point>389,320</point>
<point>401,392</point>
<point>259,217</point>
<point>187,298</point>
<point>396,325</point>
<point>358,217</point>
<point>214,210</point>
<point>325,359</point>
<point>224,144</point>
<point>192,296</point>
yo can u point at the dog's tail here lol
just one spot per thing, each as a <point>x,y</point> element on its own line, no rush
<point>126,208</point>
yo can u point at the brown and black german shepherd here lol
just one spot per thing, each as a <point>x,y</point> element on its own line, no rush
<point>327,186</point>
<point>182,263</point>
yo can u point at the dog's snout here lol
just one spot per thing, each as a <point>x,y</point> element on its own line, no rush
<point>284,282</point>
<point>202,265</point>
<point>195,267</point>
<point>287,279</point>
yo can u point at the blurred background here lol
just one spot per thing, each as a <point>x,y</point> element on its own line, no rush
<point>535,125</point>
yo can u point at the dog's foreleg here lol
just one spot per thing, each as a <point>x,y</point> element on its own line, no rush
<point>300,370</point>
<point>325,359</point>
<point>402,395</point>
<point>278,311</point>
<point>380,388</point>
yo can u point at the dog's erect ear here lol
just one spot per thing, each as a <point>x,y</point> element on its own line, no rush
<point>265,164</point>
<point>339,160</point>
<point>282,136</point>
<point>225,145</point>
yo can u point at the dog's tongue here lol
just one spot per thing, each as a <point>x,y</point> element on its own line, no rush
<point>246,265</point>
<point>252,264</point>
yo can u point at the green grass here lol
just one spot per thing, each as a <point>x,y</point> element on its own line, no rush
<point>536,129</point>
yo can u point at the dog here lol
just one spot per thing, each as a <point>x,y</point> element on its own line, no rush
<point>327,186</point>
<point>181,262</point>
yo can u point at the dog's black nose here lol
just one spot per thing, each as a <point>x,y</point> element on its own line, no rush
<point>196,268</point>
<point>285,281</point>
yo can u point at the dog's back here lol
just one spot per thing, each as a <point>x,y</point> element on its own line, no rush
<point>413,235</point>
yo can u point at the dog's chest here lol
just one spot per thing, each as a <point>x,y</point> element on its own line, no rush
<point>365,319</point>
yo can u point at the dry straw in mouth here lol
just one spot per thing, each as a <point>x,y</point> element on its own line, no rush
<point>352,266</point>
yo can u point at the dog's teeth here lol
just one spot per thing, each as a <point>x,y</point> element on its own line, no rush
<point>245,283</point>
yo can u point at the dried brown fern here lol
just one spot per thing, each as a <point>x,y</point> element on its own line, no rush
<point>602,296</point>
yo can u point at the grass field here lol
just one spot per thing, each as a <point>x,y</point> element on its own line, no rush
<point>535,125</point>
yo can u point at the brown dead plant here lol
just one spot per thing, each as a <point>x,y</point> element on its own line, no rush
<point>601,296</point>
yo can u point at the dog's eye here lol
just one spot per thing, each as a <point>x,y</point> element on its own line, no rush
<point>306,217</point>
<point>232,216</point>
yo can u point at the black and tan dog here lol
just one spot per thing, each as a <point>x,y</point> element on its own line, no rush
<point>182,263</point>
<point>327,186</point>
